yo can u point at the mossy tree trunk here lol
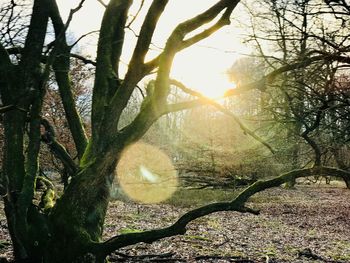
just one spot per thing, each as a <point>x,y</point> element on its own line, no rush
<point>72,229</point>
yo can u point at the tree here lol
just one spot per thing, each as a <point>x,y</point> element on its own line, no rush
<point>70,230</point>
<point>301,99</point>
<point>75,223</point>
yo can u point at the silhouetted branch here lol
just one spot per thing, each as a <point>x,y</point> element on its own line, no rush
<point>83,59</point>
<point>49,137</point>
<point>82,36</point>
<point>270,78</point>
<point>136,15</point>
<point>102,3</point>
<point>4,109</point>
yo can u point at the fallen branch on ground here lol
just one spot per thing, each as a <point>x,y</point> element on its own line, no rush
<point>237,204</point>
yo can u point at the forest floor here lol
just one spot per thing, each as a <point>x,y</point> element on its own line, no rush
<point>308,224</point>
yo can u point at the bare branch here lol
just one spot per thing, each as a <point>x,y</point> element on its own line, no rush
<point>102,3</point>
<point>147,31</point>
<point>49,137</point>
<point>82,36</point>
<point>36,35</point>
<point>136,15</point>
<point>4,109</point>
<point>269,78</point>
<point>224,20</point>
<point>177,42</point>
<point>83,59</point>
<point>237,204</point>
<point>71,14</point>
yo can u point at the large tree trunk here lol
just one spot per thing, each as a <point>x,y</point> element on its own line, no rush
<point>13,177</point>
<point>78,217</point>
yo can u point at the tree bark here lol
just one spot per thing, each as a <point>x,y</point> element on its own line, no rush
<point>78,217</point>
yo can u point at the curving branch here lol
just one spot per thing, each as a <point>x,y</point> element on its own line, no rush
<point>82,37</point>
<point>224,20</point>
<point>237,204</point>
<point>178,228</point>
<point>71,14</point>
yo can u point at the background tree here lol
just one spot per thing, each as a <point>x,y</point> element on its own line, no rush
<point>76,221</point>
<point>301,99</point>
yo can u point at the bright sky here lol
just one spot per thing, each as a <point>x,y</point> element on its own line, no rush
<point>201,67</point>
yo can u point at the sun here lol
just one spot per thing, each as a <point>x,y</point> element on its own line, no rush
<point>209,80</point>
<point>203,74</point>
<point>201,67</point>
<point>214,85</point>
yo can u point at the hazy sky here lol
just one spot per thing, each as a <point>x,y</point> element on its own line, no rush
<point>201,67</point>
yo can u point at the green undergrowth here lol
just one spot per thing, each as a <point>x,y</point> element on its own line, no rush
<point>195,197</point>
<point>128,230</point>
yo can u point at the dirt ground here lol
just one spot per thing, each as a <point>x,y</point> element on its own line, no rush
<point>307,224</point>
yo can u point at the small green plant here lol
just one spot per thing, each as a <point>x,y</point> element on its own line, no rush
<point>195,197</point>
<point>127,230</point>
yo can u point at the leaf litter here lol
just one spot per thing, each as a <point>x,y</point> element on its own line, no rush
<point>303,225</point>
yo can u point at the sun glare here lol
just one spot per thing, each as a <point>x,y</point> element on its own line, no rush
<point>146,174</point>
<point>203,72</point>
<point>201,67</point>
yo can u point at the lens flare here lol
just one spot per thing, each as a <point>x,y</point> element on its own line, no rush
<point>146,174</point>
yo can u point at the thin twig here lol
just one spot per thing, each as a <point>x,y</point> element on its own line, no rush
<point>102,3</point>
<point>82,36</point>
